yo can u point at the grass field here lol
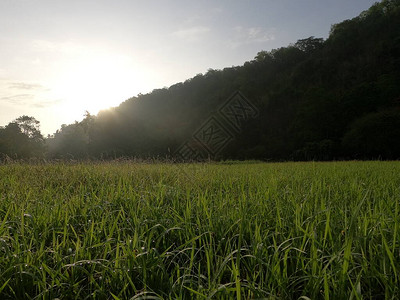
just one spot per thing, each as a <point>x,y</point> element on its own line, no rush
<point>184,231</point>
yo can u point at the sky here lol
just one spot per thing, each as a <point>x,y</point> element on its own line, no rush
<point>60,58</point>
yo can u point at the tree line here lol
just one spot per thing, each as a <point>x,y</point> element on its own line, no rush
<point>337,98</point>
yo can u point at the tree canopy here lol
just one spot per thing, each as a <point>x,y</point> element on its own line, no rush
<point>22,138</point>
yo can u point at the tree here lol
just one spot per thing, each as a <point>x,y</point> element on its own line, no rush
<point>29,126</point>
<point>310,44</point>
<point>21,138</point>
<point>375,135</point>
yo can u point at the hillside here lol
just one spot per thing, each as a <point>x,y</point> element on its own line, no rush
<point>315,99</point>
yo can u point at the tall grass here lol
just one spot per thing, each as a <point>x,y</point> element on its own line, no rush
<point>200,231</point>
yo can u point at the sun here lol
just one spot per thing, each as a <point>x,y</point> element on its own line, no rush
<point>96,83</point>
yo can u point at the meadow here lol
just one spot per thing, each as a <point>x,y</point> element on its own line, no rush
<point>249,230</point>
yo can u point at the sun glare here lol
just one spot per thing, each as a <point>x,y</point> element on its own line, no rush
<point>95,84</point>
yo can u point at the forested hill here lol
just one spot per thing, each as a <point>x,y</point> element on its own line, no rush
<point>316,99</point>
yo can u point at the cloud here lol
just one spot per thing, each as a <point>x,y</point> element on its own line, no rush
<point>67,47</point>
<point>192,34</point>
<point>251,35</point>
<point>217,10</point>
<point>25,86</point>
<point>28,100</point>
<point>18,99</point>
<point>42,104</point>
<point>42,45</point>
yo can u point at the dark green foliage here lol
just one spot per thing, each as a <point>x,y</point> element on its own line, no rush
<point>72,141</point>
<point>375,135</point>
<point>21,139</point>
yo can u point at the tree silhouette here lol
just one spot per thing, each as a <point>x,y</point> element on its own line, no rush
<point>22,138</point>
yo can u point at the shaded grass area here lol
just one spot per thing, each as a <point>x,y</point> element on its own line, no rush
<point>198,231</point>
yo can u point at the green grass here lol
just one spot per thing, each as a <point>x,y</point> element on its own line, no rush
<point>200,231</point>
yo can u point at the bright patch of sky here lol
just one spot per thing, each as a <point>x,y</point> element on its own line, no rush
<point>60,58</point>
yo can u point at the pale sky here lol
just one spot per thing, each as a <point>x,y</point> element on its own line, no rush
<point>59,58</point>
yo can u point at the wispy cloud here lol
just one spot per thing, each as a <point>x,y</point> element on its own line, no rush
<point>45,103</point>
<point>217,10</point>
<point>18,99</point>
<point>67,47</point>
<point>28,100</point>
<point>192,34</point>
<point>250,35</point>
<point>26,86</point>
